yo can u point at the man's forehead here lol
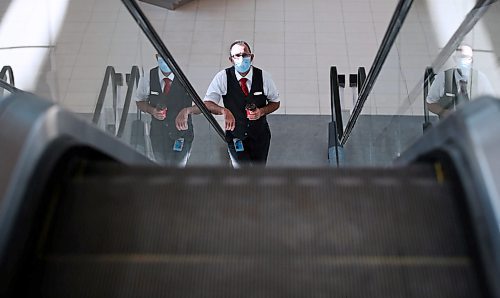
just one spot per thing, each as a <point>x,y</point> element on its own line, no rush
<point>465,51</point>
<point>237,48</point>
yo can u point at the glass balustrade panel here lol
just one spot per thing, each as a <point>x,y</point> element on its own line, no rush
<point>67,60</point>
<point>396,113</point>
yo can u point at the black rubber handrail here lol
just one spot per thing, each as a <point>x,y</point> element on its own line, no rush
<point>9,87</point>
<point>428,78</point>
<point>395,24</point>
<point>7,69</point>
<point>335,126</point>
<point>336,109</point>
<point>131,83</point>
<point>361,77</point>
<point>162,50</point>
<point>110,74</point>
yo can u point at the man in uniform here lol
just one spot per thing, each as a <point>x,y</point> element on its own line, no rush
<point>162,96</point>
<point>457,85</point>
<point>248,94</point>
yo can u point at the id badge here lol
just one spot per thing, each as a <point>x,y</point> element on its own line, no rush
<point>178,144</point>
<point>238,145</point>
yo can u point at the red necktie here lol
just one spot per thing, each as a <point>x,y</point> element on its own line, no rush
<point>243,84</point>
<point>166,88</point>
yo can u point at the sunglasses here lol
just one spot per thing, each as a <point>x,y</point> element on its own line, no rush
<point>244,55</point>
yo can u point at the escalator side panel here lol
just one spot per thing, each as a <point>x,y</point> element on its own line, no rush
<point>30,127</point>
<point>470,138</point>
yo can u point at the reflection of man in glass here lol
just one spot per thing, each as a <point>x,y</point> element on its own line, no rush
<point>162,96</point>
<point>457,85</point>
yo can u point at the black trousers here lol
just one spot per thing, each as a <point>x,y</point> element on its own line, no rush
<point>256,149</point>
<point>163,149</point>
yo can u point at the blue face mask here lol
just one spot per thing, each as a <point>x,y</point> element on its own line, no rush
<point>465,65</point>
<point>242,65</point>
<point>163,65</point>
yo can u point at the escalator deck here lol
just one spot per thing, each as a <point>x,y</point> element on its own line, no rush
<point>147,232</point>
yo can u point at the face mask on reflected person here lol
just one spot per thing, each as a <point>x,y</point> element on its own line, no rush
<point>464,64</point>
<point>243,65</point>
<point>163,65</point>
<point>464,61</point>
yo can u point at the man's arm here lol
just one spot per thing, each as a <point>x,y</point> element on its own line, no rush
<point>141,95</point>
<point>144,106</point>
<point>181,121</point>
<point>261,112</point>
<point>269,108</point>
<point>436,91</point>
<point>216,89</point>
<point>437,109</point>
<point>229,121</point>
<point>147,108</point>
<point>182,117</point>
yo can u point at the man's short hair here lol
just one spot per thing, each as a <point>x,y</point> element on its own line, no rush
<point>241,43</point>
<point>465,50</point>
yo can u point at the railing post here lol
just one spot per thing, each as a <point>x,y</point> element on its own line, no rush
<point>335,127</point>
<point>428,78</point>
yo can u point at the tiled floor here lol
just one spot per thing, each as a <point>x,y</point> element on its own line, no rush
<point>295,40</point>
<point>69,43</point>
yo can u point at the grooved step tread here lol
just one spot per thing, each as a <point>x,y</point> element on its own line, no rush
<point>200,232</point>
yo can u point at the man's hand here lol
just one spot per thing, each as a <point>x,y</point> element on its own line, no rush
<point>181,121</point>
<point>255,114</point>
<point>144,106</point>
<point>445,113</point>
<point>229,120</point>
<point>438,109</point>
<point>159,114</point>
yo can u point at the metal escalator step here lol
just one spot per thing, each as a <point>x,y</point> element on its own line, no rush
<point>132,232</point>
<point>232,212</point>
<point>110,169</point>
<point>248,277</point>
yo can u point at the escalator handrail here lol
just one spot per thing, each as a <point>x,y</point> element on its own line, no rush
<point>158,44</point>
<point>361,77</point>
<point>9,87</point>
<point>336,109</point>
<point>132,81</point>
<point>7,69</point>
<point>428,79</point>
<point>392,32</point>
<point>109,74</point>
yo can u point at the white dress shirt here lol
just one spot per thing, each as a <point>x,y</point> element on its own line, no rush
<point>479,85</point>
<point>218,86</point>
<point>142,92</point>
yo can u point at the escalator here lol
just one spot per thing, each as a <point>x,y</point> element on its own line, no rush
<point>84,215</point>
<point>82,219</point>
<point>117,231</point>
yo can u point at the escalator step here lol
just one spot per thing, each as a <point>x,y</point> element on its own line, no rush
<point>272,214</point>
<point>250,278</point>
<point>132,232</point>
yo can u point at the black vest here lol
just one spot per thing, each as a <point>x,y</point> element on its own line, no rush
<point>235,100</point>
<point>175,101</point>
<point>451,97</point>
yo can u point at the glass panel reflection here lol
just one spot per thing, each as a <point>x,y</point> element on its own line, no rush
<point>402,103</point>
<point>91,60</point>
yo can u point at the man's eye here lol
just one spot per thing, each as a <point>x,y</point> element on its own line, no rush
<point>244,55</point>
